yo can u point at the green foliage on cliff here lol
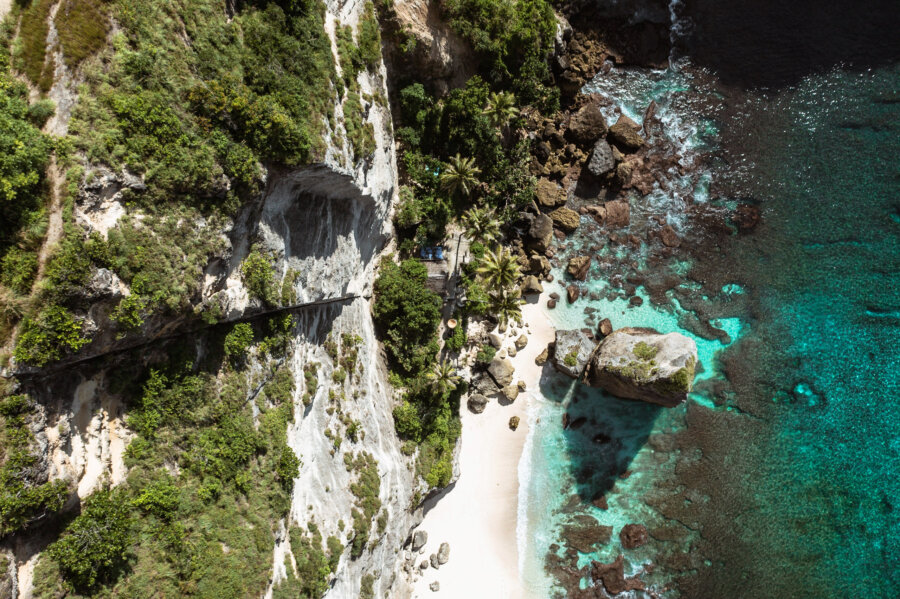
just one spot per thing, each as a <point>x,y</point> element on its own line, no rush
<point>93,548</point>
<point>23,498</point>
<point>49,336</point>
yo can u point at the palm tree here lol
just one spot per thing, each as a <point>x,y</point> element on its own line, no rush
<point>499,269</point>
<point>481,225</point>
<point>506,306</point>
<point>460,175</point>
<point>501,107</point>
<point>443,378</point>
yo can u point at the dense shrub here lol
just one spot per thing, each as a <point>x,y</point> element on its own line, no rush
<point>22,499</point>
<point>408,313</point>
<point>258,275</point>
<point>49,336</point>
<point>93,547</point>
<point>238,341</point>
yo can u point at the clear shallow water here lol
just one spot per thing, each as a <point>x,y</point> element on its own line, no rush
<point>779,478</point>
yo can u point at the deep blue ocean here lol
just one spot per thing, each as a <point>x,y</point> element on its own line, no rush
<point>780,477</point>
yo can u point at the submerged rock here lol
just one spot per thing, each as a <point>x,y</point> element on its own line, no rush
<point>618,214</point>
<point>644,364</point>
<point>633,536</point>
<point>572,352</point>
<point>613,578</point>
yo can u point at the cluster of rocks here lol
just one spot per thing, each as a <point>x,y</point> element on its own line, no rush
<point>633,363</point>
<point>498,380</point>
<point>437,559</point>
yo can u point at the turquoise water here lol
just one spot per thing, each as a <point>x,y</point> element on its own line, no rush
<point>779,476</point>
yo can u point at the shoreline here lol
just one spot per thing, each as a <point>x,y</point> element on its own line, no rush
<point>478,517</point>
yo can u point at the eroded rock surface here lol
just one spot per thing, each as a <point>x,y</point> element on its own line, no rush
<point>572,352</point>
<point>646,365</point>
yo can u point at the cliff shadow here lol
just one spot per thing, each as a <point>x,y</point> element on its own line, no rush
<point>601,436</point>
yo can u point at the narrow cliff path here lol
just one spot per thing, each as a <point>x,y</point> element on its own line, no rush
<point>56,180</point>
<point>138,344</point>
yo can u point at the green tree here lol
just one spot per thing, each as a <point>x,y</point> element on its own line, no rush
<point>48,337</point>
<point>499,269</point>
<point>238,341</point>
<point>501,108</point>
<point>481,224</point>
<point>460,176</point>
<point>93,547</point>
<point>408,313</point>
<point>443,378</point>
<point>506,306</point>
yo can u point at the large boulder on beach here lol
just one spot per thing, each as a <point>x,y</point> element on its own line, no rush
<point>549,195</point>
<point>501,370</point>
<point>566,219</point>
<point>531,285</point>
<point>602,160</point>
<point>540,233</point>
<point>477,403</point>
<point>420,537</point>
<point>572,352</point>
<point>586,125</point>
<point>646,365</point>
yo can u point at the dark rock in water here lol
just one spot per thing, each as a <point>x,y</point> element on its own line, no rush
<point>477,402</point>
<point>572,351</point>
<point>746,216</point>
<point>578,423</point>
<point>636,301</point>
<point>540,233</point>
<point>642,364</point>
<point>625,135</point>
<point>578,267</point>
<point>551,303</point>
<point>566,219</point>
<point>600,502</point>
<point>633,536</point>
<point>565,420</point>
<point>586,534</point>
<point>669,237</point>
<point>602,160</point>
<point>554,296</point>
<point>601,439</point>
<point>618,214</point>
<point>572,293</point>
<point>612,576</point>
<point>673,532</point>
<point>605,327</point>
<point>549,195</point>
<point>586,125</point>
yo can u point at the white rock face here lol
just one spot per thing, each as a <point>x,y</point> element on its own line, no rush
<point>643,364</point>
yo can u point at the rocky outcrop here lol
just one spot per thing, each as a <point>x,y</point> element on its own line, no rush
<point>501,370</point>
<point>602,160</point>
<point>578,267</point>
<point>540,233</point>
<point>633,536</point>
<point>618,214</point>
<point>587,125</point>
<point>566,219</point>
<point>572,351</point>
<point>624,134</point>
<point>531,285</point>
<point>646,365</point>
<point>477,403</point>
<point>549,195</point>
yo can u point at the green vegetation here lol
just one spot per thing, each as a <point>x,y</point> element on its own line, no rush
<point>238,341</point>
<point>92,550</point>
<point>82,26</point>
<point>408,314</point>
<point>49,336</point>
<point>644,351</point>
<point>23,497</point>
<point>31,54</point>
<point>571,359</point>
<point>366,489</point>
<point>258,275</point>
<point>457,338</point>
<point>485,354</point>
<point>128,314</point>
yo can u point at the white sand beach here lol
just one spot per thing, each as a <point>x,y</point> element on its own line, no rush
<point>477,517</point>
